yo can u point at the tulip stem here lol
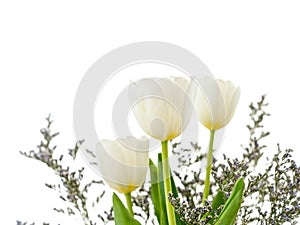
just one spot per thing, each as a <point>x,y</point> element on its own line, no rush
<point>208,166</point>
<point>129,203</point>
<point>167,182</point>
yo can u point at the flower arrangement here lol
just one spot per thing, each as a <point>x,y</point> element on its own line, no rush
<point>232,191</point>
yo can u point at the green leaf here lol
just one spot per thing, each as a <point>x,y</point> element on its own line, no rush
<point>219,200</point>
<point>155,196</point>
<point>175,194</point>
<point>163,215</point>
<point>121,214</point>
<point>232,205</point>
<point>158,192</point>
<point>174,188</point>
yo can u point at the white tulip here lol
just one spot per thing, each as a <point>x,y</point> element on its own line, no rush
<point>161,106</point>
<point>215,101</point>
<point>123,163</point>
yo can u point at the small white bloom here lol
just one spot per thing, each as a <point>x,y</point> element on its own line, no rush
<point>123,163</point>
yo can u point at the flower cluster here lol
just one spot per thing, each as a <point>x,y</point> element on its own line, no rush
<point>231,192</point>
<point>162,107</point>
<point>271,195</point>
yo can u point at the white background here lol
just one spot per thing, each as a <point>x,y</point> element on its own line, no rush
<point>47,46</point>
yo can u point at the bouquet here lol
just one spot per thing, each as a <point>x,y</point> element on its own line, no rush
<point>226,191</point>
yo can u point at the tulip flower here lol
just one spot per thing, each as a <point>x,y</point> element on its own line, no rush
<point>215,102</point>
<point>123,164</point>
<point>162,108</point>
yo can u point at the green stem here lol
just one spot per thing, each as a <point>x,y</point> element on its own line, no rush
<point>208,168</point>
<point>129,203</point>
<point>167,182</point>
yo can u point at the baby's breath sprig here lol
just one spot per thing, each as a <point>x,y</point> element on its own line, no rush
<point>72,189</point>
<point>194,215</point>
